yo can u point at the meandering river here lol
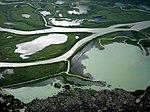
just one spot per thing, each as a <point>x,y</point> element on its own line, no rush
<point>117,75</point>
<point>95,33</point>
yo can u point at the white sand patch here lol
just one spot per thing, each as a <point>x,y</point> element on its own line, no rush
<point>73,12</point>
<point>8,23</point>
<point>59,2</point>
<point>6,72</point>
<point>8,37</point>
<point>26,15</point>
<point>45,13</point>
<point>28,48</point>
<point>65,22</point>
<point>9,71</point>
<point>82,10</point>
<point>60,15</point>
<point>77,37</point>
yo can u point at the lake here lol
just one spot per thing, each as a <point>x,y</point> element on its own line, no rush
<point>120,65</point>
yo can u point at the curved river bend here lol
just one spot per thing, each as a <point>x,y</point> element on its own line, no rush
<point>96,32</point>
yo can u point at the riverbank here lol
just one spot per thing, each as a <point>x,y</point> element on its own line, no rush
<point>82,100</point>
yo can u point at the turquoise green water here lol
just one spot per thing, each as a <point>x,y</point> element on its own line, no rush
<point>27,94</point>
<point>120,65</point>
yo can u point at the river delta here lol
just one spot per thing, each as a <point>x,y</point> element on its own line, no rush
<point>85,44</point>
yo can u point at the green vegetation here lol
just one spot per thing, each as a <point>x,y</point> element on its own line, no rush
<point>31,73</point>
<point>101,14</point>
<point>113,15</point>
<point>13,15</point>
<point>129,37</point>
<point>57,50</point>
<point>8,46</point>
<point>147,30</point>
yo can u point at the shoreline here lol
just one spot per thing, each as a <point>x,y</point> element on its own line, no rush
<point>77,100</point>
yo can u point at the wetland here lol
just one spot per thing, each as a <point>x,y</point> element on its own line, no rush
<point>82,44</point>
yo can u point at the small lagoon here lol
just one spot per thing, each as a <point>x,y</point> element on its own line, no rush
<point>27,94</point>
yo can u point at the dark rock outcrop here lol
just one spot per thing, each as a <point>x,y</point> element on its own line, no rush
<point>67,87</point>
<point>57,85</point>
<point>79,100</point>
<point>143,102</point>
<point>10,104</point>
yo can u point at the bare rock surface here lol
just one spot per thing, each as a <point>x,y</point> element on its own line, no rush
<point>79,100</point>
<point>10,104</point>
